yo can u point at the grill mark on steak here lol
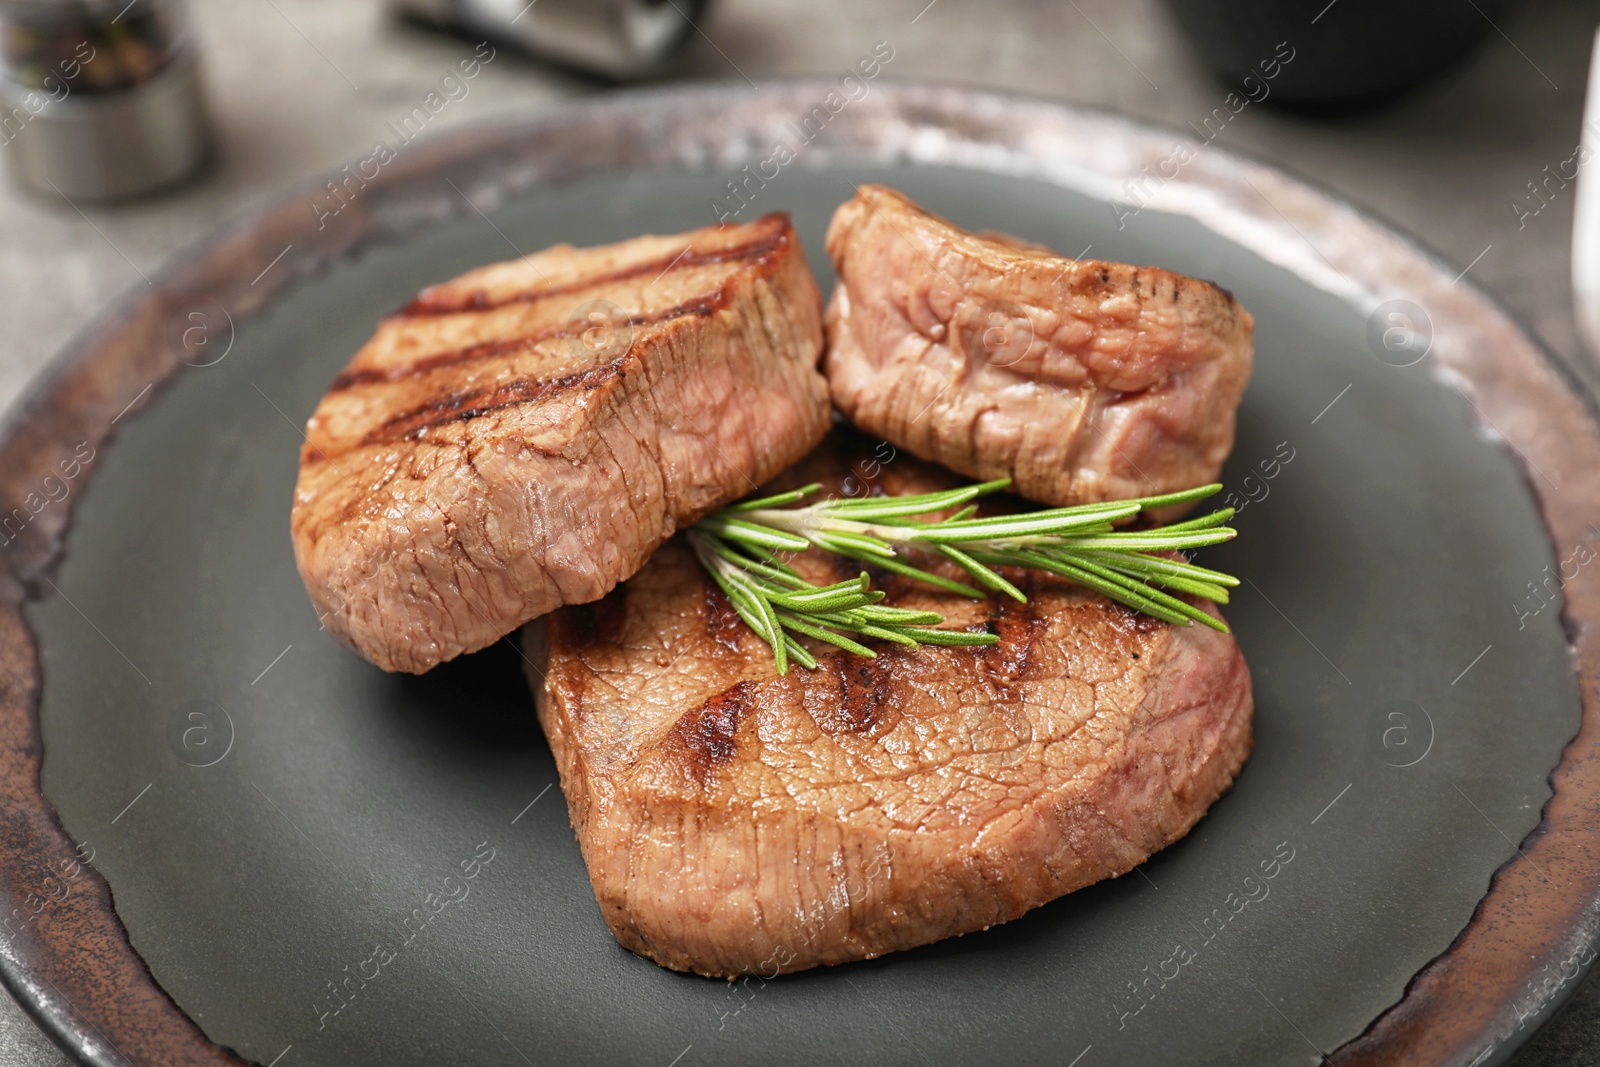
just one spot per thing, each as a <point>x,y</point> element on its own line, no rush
<point>478,300</point>
<point>865,694</point>
<point>473,403</point>
<point>350,378</point>
<point>723,624</point>
<point>709,734</point>
<point>1018,627</point>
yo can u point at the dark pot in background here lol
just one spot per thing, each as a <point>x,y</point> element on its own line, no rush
<point>1349,55</point>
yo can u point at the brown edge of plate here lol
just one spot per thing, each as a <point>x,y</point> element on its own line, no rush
<point>63,950</point>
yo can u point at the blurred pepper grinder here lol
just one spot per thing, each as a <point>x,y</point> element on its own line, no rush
<point>99,100</point>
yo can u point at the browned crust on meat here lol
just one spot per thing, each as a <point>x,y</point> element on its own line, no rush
<point>735,821</point>
<point>453,299</point>
<point>479,464</point>
<point>1081,380</point>
<point>508,345</point>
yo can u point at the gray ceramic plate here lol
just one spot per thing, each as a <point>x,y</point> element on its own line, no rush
<point>267,809</point>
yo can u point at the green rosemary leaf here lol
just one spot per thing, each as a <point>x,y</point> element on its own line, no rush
<point>895,566</point>
<point>1204,522</point>
<point>744,606</point>
<point>857,546</point>
<point>954,637</point>
<point>1182,583</point>
<point>776,571</point>
<point>907,616</point>
<point>780,647</point>
<point>884,507</point>
<point>1155,541</point>
<point>798,653</point>
<point>983,574</point>
<point>1010,526</point>
<point>776,501</point>
<point>1132,588</point>
<point>1117,591</point>
<point>1186,496</point>
<point>752,533</point>
<point>799,625</point>
<point>1162,565</point>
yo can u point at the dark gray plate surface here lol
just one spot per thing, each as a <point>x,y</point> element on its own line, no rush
<point>1408,715</point>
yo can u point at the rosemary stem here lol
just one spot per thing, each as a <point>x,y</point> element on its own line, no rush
<point>743,549</point>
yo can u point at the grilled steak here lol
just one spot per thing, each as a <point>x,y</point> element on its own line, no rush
<point>525,436</point>
<point>735,821</point>
<point>1081,380</point>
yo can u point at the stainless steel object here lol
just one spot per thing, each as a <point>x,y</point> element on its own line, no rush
<point>615,38</point>
<point>1586,220</point>
<point>99,99</point>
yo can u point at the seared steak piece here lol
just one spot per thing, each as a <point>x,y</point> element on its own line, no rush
<point>1082,381</point>
<point>734,821</point>
<point>525,436</point>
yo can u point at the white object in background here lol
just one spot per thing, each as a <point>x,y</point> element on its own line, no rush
<point>1586,221</point>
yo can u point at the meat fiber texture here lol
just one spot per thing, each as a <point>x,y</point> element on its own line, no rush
<point>1080,380</point>
<point>525,435</point>
<point>736,821</point>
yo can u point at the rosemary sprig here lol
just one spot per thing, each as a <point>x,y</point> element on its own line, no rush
<point>738,546</point>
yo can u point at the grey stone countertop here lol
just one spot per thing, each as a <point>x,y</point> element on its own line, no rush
<point>298,87</point>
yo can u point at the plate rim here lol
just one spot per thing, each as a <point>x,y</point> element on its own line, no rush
<point>71,965</point>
